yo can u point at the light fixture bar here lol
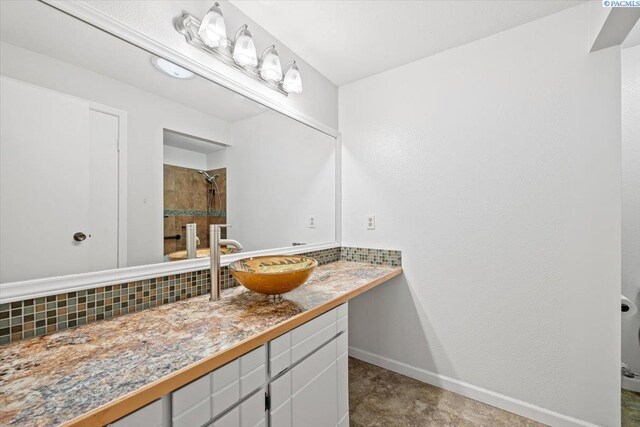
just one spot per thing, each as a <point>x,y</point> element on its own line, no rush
<point>189,26</point>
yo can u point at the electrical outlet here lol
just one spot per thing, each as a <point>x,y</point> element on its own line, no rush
<point>371,222</point>
<point>312,221</point>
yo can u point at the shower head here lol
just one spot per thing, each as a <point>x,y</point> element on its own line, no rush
<point>210,179</point>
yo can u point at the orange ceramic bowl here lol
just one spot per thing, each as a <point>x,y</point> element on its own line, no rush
<point>273,275</point>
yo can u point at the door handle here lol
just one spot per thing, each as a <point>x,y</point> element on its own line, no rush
<point>79,236</point>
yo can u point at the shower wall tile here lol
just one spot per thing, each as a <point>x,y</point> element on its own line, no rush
<point>186,200</point>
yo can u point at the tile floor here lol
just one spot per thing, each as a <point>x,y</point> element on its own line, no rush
<point>630,409</point>
<point>378,397</point>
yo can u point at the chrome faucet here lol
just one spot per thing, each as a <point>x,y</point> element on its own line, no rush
<point>214,242</point>
<point>192,240</point>
<point>231,242</point>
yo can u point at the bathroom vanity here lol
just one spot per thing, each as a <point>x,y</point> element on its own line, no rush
<point>244,360</point>
<point>299,378</point>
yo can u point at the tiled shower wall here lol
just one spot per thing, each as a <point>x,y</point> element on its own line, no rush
<point>187,200</point>
<point>40,316</point>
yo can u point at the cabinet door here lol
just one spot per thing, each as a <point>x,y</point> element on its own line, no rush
<point>342,363</point>
<point>308,394</point>
<point>231,419</point>
<point>191,404</point>
<point>297,344</point>
<point>149,416</point>
<point>250,413</point>
<point>210,395</point>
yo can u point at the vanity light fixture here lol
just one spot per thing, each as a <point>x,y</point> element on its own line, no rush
<point>270,68</point>
<point>292,80</point>
<point>213,31</point>
<point>240,53</point>
<point>170,68</point>
<point>244,50</point>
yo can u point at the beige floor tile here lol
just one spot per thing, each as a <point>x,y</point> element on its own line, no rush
<point>378,397</point>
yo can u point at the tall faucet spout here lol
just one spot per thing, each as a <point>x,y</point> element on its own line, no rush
<point>231,242</point>
<point>215,241</point>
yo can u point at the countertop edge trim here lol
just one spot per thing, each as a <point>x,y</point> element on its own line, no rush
<point>135,400</point>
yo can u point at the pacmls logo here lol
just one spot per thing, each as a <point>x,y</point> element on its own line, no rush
<point>621,3</point>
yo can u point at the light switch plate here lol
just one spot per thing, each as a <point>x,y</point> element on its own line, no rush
<point>371,222</point>
<point>312,221</point>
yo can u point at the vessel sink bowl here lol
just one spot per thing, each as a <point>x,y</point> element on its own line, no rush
<point>273,275</point>
<point>200,253</point>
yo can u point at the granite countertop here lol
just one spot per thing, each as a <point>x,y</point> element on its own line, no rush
<point>80,372</point>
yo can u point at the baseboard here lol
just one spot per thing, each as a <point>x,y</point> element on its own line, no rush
<point>632,384</point>
<point>489,397</point>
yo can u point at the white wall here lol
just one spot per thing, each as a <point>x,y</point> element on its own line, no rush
<point>279,173</point>
<point>184,158</point>
<point>495,168</point>
<point>154,19</point>
<point>631,203</point>
<point>147,116</point>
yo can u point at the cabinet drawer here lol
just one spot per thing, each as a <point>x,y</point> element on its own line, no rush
<point>226,375</point>
<point>312,327</point>
<point>253,370</point>
<point>280,354</point>
<point>343,310</point>
<point>300,342</point>
<point>238,378</point>
<point>150,415</point>
<point>208,396</point>
<point>197,415</point>
<point>226,398</point>
<point>190,395</point>
<point>342,324</point>
<point>312,342</point>
<point>252,360</point>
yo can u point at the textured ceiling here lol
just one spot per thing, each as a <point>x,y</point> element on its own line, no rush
<point>350,40</point>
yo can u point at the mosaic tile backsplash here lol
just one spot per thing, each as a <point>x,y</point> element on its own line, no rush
<point>40,316</point>
<point>371,256</point>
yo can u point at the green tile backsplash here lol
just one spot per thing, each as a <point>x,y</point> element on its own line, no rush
<point>44,315</point>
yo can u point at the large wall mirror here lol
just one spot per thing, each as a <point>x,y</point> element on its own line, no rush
<point>109,153</point>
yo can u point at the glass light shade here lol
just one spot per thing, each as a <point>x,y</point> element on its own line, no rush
<point>292,80</point>
<point>213,31</point>
<point>244,50</point>
<point>270,68</point>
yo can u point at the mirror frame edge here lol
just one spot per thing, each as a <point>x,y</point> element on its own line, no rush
<point>94,17</point>
<point>35,288</point>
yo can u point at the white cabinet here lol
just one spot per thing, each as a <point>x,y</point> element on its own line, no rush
<point>314,391</point>
<point>250,413</point>
<point>206,398</point>
<point>302,374</point>
<point>151,415</point>
<point>231,419</point>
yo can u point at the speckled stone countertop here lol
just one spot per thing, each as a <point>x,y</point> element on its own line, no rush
<point>91,374</point>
